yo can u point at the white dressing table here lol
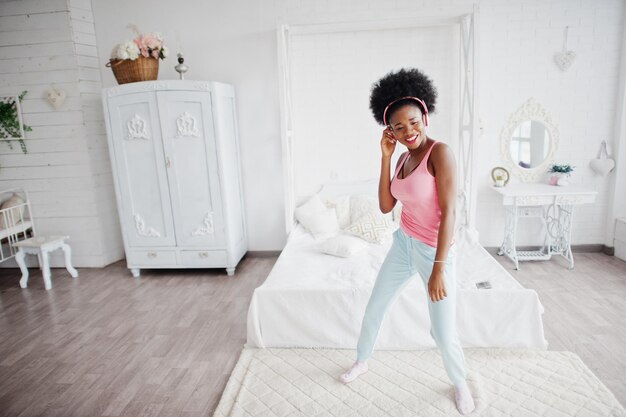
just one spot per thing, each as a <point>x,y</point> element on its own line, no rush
<point>553,205</point>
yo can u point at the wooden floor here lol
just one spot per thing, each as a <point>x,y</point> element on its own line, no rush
<point>106,344</point>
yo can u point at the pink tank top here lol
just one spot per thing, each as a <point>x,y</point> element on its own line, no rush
<point>417,192</point>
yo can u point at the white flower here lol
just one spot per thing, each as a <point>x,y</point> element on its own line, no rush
<point>165,51</point>
<point>127,50</point>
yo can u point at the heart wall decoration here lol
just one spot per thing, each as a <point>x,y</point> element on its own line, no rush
<point>603,164</point>
<point>565,58</point>
<point>56,97</point>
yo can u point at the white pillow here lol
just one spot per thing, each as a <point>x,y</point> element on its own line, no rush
<point>342,245</point>
<point>322,223</point>
<point>397,212</point>
<point>362,204</point>
<point>312,205</point>
<point>373,227</point>
<point>341,204</point>
<point>15,214</point>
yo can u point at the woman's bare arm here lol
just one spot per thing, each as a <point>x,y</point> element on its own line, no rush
<point>445,178</point>
<point>386,202</point>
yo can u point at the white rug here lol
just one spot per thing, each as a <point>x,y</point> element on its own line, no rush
<point>505,382</point>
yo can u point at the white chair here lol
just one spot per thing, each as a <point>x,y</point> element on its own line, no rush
<point>42,246</point>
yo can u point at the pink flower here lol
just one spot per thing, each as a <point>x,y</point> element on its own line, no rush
<point>149,44</point>
<point>151,41</point>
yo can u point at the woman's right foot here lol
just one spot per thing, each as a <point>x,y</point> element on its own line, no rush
<point>353,373</point>
<point>463,397</point>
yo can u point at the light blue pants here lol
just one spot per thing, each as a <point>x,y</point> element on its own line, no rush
<point>406,257</point>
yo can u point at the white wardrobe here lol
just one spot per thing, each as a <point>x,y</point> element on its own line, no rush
<point>175,158</point>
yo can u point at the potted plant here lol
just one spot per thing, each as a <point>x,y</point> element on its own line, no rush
<point>559,174</point>
<point>138,60</point>
<point>10,119</point>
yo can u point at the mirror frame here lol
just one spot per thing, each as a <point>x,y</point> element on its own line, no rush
<point>530,110</point>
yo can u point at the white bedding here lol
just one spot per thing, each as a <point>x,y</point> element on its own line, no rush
<point>311,299</point>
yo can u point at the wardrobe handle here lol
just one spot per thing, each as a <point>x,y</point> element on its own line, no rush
<point>167,161</point>
<point>203,254</point>
<point>152,255</point>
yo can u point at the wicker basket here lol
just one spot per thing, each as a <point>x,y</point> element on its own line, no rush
<point>131,71</point>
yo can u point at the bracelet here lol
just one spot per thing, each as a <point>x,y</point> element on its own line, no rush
<point>441,261</point>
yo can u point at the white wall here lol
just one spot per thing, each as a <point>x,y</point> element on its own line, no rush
<point>235,42</point>
<point>66,170</point>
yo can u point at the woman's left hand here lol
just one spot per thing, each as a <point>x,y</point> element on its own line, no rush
<point>436,287</point>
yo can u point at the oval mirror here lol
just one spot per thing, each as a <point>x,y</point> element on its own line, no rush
<point>528,142</point>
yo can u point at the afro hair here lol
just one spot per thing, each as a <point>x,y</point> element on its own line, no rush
<point>405,82</point>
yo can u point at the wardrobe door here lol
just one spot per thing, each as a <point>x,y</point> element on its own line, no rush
<point>188,141</point>
<point>146,214</point>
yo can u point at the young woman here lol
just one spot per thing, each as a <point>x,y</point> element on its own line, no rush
<point>425,182</point>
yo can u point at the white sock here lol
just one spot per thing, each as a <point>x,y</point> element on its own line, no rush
<point>463,397</point>
<point>355,370</point>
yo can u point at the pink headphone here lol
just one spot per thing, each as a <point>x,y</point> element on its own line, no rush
<point>420,101</point>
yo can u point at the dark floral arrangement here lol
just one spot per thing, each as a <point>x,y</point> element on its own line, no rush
<point>561,169</point>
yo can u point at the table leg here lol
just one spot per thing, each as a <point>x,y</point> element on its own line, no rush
<point>67,252</point>
<point>20,259</point>
<point>568,214</point>
<point>46,270</point>
<point>510,229</point>
<point>560,222</point>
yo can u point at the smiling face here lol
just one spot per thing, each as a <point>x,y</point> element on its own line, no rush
<point>407,124</point>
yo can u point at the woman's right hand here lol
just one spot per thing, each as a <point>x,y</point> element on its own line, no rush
<point>388,143</point>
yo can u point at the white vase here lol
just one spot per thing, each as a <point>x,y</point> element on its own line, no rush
<point>562,181</point>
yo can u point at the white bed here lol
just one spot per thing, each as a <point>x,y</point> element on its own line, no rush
<point>311,299</point>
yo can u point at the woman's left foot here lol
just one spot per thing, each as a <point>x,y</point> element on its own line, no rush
<point>463,397</point>
<point>355,370</point>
